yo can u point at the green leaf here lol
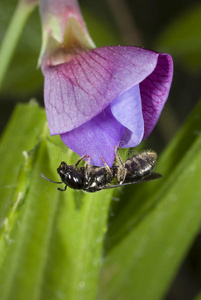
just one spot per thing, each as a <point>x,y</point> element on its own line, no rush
<point>51,241</point>
<point>198,297</point>
<point>27,49</point>
<point>182,38</point>
<point>130,208</point>
<point>156,237</point>
<point>18,137</point>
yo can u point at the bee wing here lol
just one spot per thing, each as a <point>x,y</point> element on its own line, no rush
<point>153,176</point>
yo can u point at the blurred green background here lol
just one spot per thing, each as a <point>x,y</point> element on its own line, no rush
<point>164,26</point>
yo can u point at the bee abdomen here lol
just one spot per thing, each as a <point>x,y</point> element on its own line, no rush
<point>141,164</point>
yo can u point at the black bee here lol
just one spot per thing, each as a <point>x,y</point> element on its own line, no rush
<point>89,178</point>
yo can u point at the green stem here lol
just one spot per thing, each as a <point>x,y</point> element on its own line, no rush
<point>8,45</point>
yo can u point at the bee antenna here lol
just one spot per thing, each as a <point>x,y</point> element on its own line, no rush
<point>48,179</point>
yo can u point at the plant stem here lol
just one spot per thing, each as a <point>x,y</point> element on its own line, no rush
<point>14,30</point>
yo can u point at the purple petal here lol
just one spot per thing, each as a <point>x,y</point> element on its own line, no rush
<point>127,109</point>
<point>78,90</point>
<point>154,91</point>
<point>96,138</point>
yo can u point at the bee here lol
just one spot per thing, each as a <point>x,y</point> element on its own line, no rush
<point>90,178</point>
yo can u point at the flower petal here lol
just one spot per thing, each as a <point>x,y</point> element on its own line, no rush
<point>81,88</point>
<point>96,138</point>
<point>154,91</point>
<point>127,109</point>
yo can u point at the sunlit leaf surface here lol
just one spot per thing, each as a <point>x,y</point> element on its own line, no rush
<point>51,242</point>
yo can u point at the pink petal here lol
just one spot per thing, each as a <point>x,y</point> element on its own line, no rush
<point>154,91</point>
<point>78,90</point>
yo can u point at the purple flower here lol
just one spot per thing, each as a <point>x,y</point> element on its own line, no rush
<point>100,98</point>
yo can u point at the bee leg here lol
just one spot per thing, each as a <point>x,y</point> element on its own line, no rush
<point>86,168</point>
<point>83,157</point>
<point>108,169</point>
<point>62,190</point>
<point>121,171</point>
